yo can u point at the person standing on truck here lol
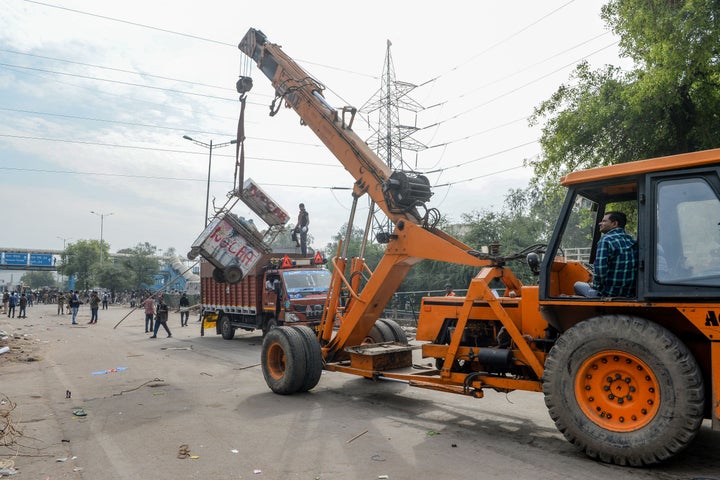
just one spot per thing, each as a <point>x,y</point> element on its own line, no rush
<point>184,310</point>
<point>449,290</point>
<point>301,229</point>
<point>615,266</point>
<point>149,305</point>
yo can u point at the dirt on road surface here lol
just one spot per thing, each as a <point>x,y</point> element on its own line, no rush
<point>97,402</point>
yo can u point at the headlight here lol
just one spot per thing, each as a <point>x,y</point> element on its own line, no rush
<point>291,317</point>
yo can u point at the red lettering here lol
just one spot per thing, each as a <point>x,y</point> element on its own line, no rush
<point>245,255</point>
<point>215,234</point>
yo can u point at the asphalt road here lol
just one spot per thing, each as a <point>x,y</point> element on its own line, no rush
<point>209,394</point>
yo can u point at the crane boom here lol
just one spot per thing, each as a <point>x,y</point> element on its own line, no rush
<point>398,194</point>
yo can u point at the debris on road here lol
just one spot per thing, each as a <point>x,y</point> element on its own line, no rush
<point>183,451</point>
<point>8,432</point>
<point>357,436</point>
<point>111,370</point>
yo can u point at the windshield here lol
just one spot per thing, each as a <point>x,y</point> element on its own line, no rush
<point>306,282</point>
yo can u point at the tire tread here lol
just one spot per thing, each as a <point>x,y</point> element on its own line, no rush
<point>628,331</point>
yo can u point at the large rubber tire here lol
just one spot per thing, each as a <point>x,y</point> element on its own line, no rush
<point>268,325</point>
<point>379,333</point>
<point>233,274</point>
<point>398,333</point>
<point>218,275</point>
<point>313,358</point>
<point>624,390</point>
<point>226,329</point>
<point>284,360</point>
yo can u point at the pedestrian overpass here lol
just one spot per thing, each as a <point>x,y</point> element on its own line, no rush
<point>29,259</point>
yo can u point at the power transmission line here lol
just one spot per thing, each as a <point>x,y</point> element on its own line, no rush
<point>145,125</point>
<point>156,149</point>
<point>152,177</point>
<point>504,40</point>
<point>120,70</point>
<point>120,82</point>
<point>123,96</point>
<point>175,32</point>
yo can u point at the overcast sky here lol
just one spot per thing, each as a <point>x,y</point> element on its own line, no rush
<point>95,97</point>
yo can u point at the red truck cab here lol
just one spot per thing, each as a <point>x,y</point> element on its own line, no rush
<point>287,290</point>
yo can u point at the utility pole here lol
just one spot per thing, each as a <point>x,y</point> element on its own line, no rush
<point>64,239</point>
<point>391,137</point>
<point>210,147</point>
<point>102,221</point>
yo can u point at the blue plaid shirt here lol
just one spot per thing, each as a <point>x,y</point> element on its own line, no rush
<point>615,265</point>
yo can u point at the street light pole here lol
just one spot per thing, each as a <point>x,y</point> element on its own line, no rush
<point>102,221</point>
<point>209,146</point>
<point>64,239</point>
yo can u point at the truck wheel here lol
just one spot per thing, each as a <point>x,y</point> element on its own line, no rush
<point>313,358</point>
<point>284,360</point>
<point>379,333</point>
<point>226,328</point>
<point>233,274</point>
<point>268,325</point>
<point>398,334</point>
<point>218,275</point>
<point>624,390</point>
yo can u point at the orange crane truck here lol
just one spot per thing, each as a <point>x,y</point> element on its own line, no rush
<point>627,380</point>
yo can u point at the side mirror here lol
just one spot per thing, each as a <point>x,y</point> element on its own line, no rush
<point>533,261</point>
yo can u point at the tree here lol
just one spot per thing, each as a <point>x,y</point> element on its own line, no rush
<point>38,279</point>
<point>79,258</point>
<point>113,276</point>
<point>141,262</point>
<point>666,105</point>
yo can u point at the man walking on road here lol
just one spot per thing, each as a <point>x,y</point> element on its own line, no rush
<point>161,317</point>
